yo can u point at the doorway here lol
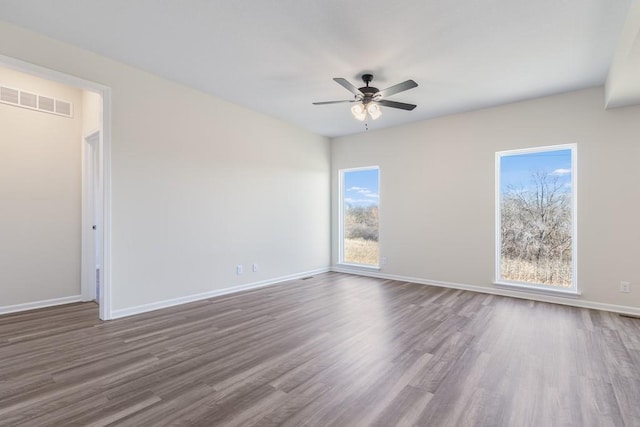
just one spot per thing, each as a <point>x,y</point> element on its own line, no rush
<point>95,195</point>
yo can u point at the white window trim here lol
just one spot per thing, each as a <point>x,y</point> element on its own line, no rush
<point>363,267</point>
<point>341,261</point>
<point>537,289</point>
<point>573,291</point>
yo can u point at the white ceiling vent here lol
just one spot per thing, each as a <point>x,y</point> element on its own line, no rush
<point>28,99</point>
<point>8,95</point>
<point>36,102</point>
<point>46,104</point>
<point>63,107</point>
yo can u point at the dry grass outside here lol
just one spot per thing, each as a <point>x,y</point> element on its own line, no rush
<point>552,272</point>
<point>361,251</point>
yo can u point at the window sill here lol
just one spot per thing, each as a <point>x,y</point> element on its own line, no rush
<point>568,293</point>
<point>359,266</point>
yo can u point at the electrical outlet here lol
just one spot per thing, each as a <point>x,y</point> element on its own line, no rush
<point>625,287</point>
<point>383,260</point>
<point>239,270</point>
<point>254,267</point>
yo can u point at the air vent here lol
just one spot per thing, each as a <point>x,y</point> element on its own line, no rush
<point>28,99</point>
<point>46,104</point>
<point>32,101</point>
<point>8,95</point>
<point>63,107</point>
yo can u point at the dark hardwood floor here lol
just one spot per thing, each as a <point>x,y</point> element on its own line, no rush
<point>332,350</point>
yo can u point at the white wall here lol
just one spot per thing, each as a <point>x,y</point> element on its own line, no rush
<point>437,189</point>
<point>39,196</point>
<point>198,184</point>
<point>91,112</point>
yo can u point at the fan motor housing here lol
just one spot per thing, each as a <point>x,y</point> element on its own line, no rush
<point>369,94</point>
<point>368,91</point>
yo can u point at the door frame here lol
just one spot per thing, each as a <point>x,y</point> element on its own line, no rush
<point>104,173</point>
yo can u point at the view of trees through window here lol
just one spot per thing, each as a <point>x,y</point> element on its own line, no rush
<point>536,217</point>
<point>360,206</point>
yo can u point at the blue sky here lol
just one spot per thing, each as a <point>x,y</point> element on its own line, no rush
<point>516,170</point>
<point>361,187</point>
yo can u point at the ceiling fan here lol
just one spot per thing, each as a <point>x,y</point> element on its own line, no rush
<point>369,98</point>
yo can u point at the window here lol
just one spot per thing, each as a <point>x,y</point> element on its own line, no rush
<point>359,203</point>
<point>536,218</point>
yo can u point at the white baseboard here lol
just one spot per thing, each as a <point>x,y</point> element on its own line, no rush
<point>115,314</point>
<point>39,304</point>
<point>634,311</point>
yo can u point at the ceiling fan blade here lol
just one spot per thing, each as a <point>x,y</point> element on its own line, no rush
<point>394,104</point>
<point>332,102</point>
<point>400,87</point>
<point>351,88</point>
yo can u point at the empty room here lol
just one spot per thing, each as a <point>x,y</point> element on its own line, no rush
<point>319,213</point>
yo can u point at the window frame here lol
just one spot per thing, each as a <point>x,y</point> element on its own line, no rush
<point>341,206</point>
<point>538,287</point>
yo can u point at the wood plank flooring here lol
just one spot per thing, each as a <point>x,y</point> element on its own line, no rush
<point>333,350</point>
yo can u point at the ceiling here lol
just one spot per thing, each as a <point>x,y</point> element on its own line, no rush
<point>277,57</point>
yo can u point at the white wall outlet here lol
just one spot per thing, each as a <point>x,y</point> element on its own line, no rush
<point>254,267</point>
<point>625,287</point>
<point>239,269</point>
<point>383,260</point>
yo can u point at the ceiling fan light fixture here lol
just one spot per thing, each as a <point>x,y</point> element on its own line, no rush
<point>374,111</point>
<point>368,99</point>
<point>359,112</point>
